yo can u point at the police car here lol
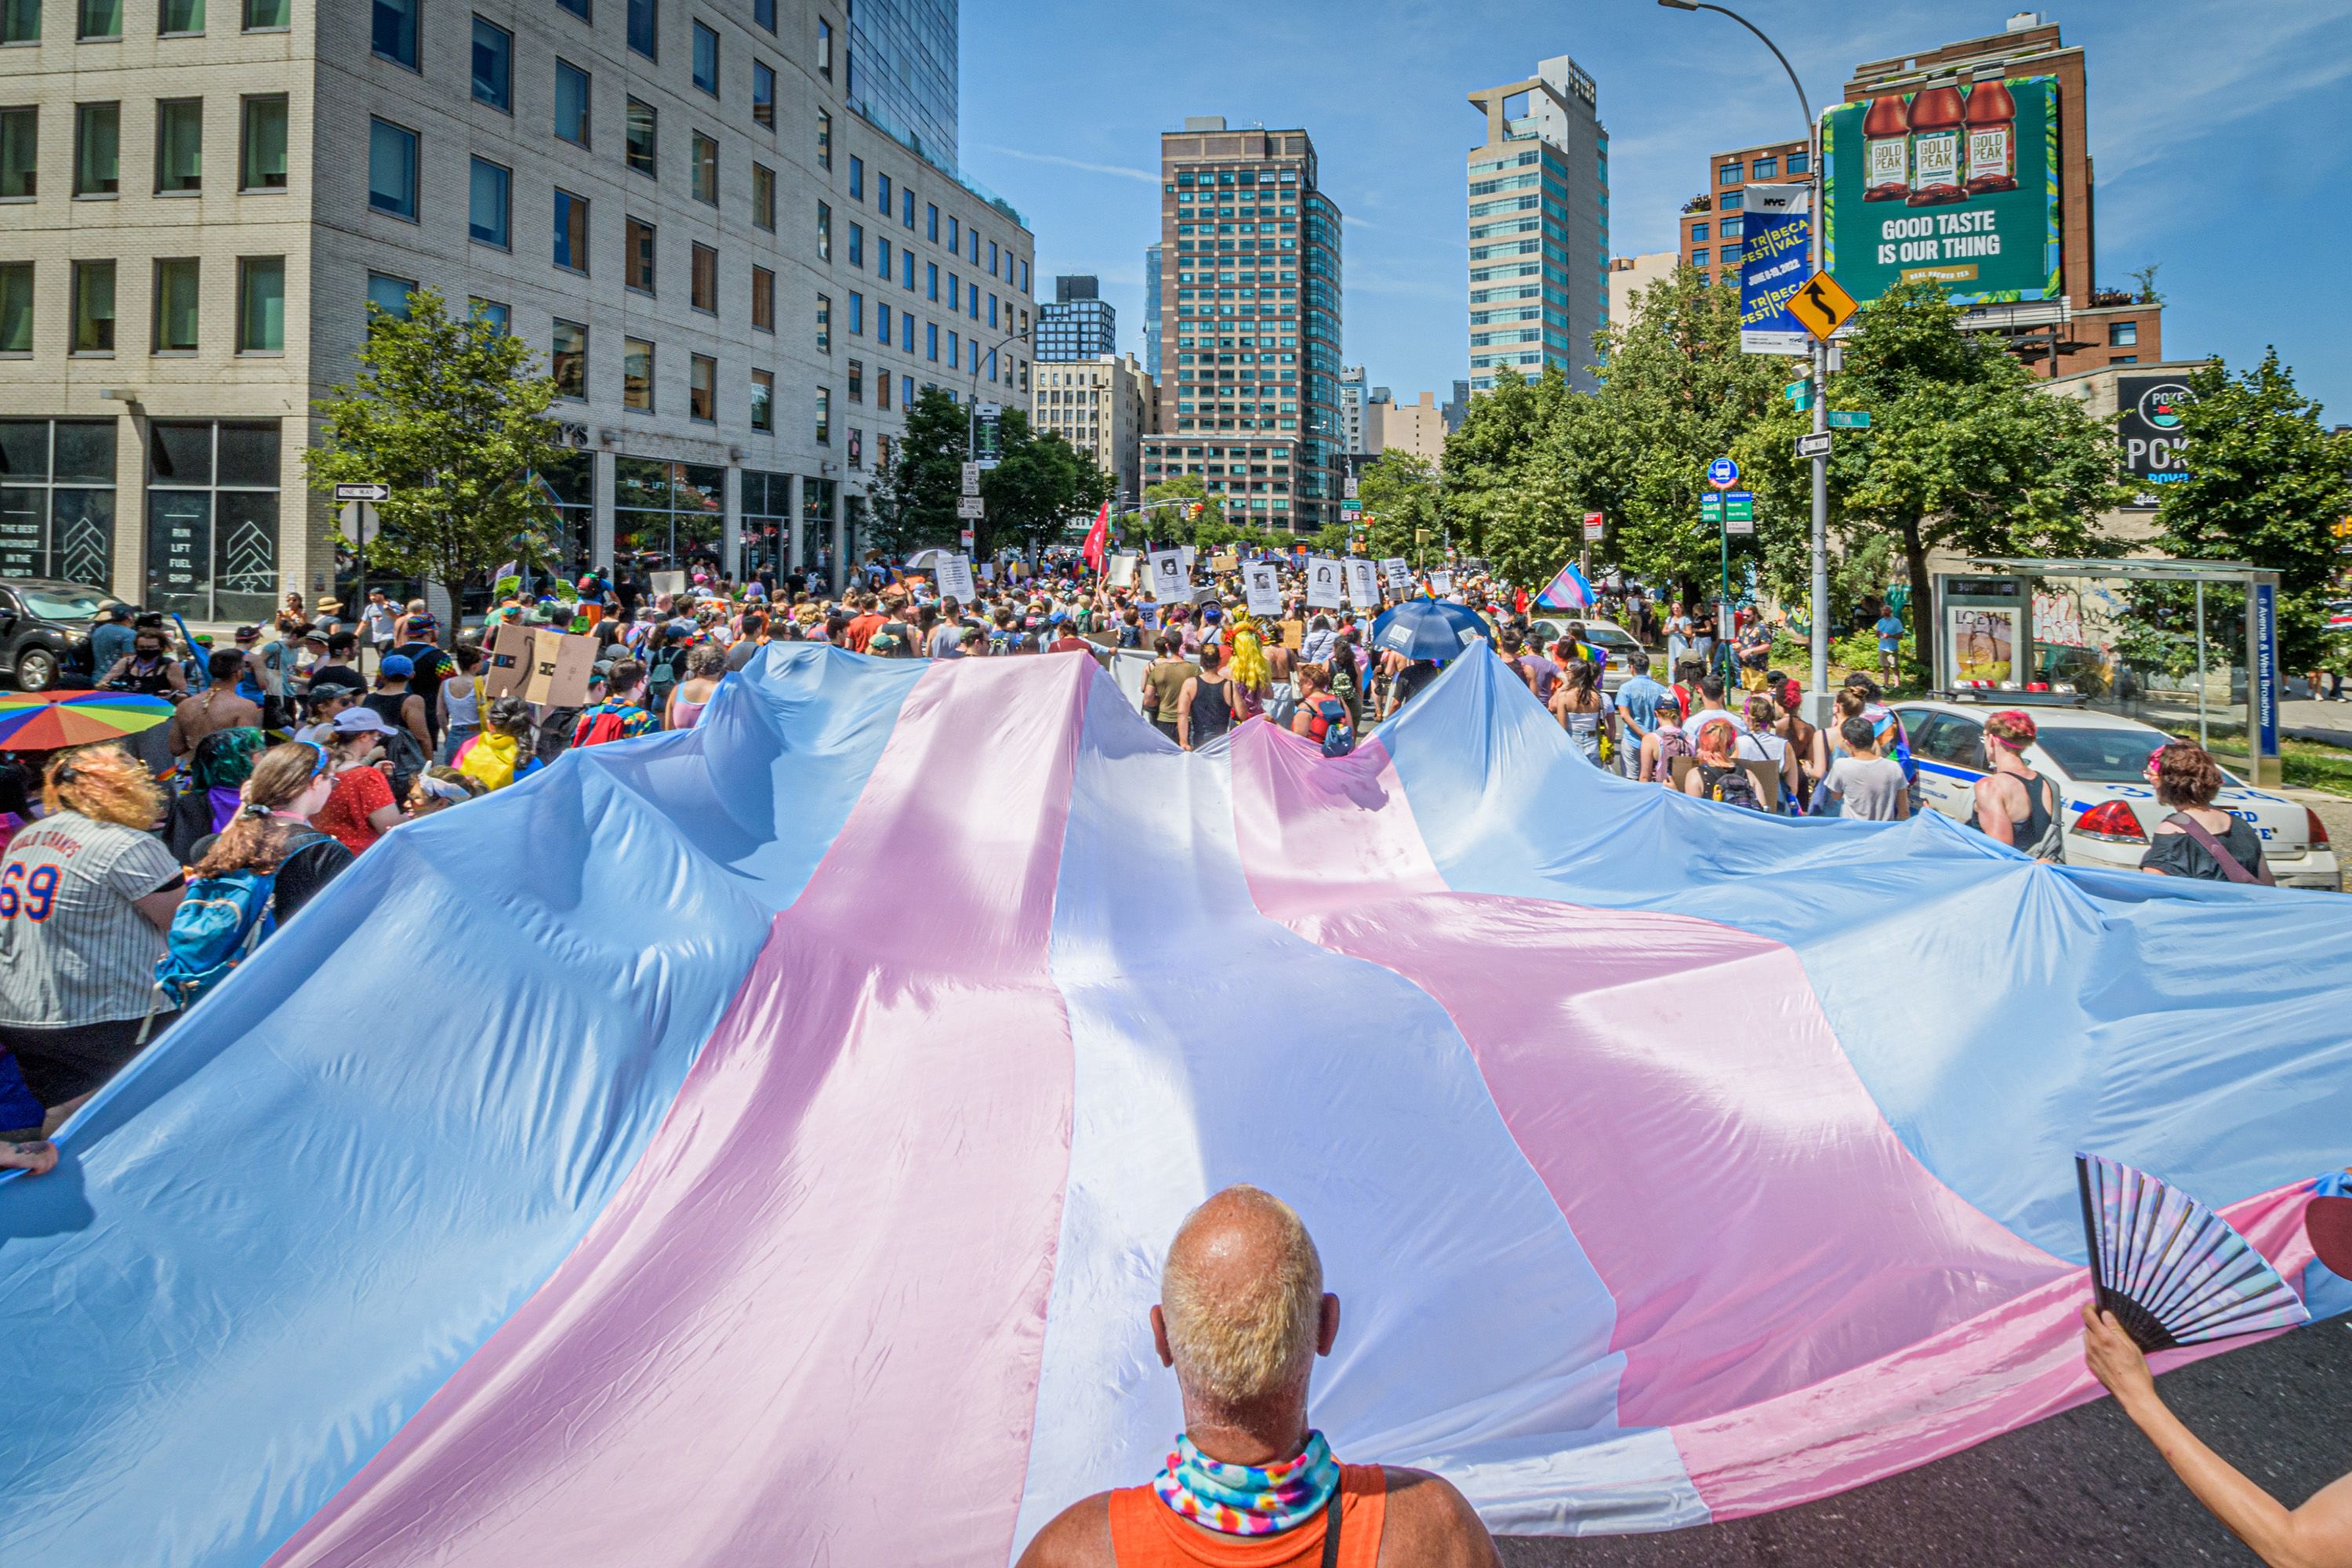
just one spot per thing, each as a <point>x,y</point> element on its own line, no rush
<point>2099,762</point>
<point>1607,635</point>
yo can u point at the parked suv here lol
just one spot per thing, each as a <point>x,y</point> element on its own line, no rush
<point>45,628</point>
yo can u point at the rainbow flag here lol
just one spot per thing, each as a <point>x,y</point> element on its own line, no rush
<point>1568,591</point>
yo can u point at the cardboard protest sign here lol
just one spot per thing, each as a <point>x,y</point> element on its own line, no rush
<point>671,583</point>
<point>1229,561</point>
<point>1263,588</point>
<point>1322,581</point>
<point>509,660</point>
<point>1171,583</point>
<point>1363,584</point>
<point>560,664</point>
<point>1440,583</point>
<point>1122,570</point>
<point>1399,574</point>
<point>1294,636</point>
<point>955,579</point>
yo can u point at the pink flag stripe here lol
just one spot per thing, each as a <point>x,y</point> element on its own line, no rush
<point>1674,1083</point>
<point>2017,1363</point>
<point>808,1329</point>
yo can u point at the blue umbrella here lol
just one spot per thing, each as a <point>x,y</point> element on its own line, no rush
<point>1428,628</point>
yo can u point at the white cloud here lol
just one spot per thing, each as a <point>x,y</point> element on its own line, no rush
<point>1120,170</point>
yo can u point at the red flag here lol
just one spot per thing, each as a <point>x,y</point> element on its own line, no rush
<point>1097,540</point>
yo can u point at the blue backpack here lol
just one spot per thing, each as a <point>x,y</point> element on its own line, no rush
<point>1336,736</point>
<point>219,921</point>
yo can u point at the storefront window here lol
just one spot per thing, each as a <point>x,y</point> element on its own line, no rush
<point>56,499</point>
<point>766,510</point>
<point>666,516</point>
<point>212,519</point>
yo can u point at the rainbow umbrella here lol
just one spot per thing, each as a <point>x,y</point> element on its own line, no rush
<point>45,720</point>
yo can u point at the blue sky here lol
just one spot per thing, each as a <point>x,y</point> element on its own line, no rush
<point>2218,128</point>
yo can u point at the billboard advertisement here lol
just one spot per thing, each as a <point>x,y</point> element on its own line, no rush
<point>1775,228</point>
<point>2147,422</point>
<point>1955,183</point>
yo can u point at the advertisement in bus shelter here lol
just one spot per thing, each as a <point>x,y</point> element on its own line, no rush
<point>1955,183</point>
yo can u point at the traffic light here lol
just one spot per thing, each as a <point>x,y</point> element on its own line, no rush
<point>1193,510</point>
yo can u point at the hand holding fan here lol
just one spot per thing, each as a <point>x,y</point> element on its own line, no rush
<point>2172,1270</point>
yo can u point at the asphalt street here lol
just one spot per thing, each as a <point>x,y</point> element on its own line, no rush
<point>2083,1489</point>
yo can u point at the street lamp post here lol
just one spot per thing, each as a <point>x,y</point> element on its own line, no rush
<point>1817,697</point>
<point>972,395</point>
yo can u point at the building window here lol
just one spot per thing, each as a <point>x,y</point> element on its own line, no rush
<point>495,312</point>
<point>2123,334</point>
<point>392,169</point>
<point>572,103</point>
<point>703,286</point>
<point>640,124</point>
<point>2124,359</point>
<point>931,225</point>
<point>882,193</point>
<point>825,416</point>
<point>644,28</point>
<point>493,65</point>
<point>1699,232</point>
<point>706,59</point>
<point>952,241</point>
<point>763,395</point>
<point>179,146</point>
<point>824,323</point>
<point>20,153</point>
<point>1799,162</point>
<point>856,314</point>
<point>57,511</point>
<point>1698,259</point>
<point>93,307</point>
<point>579,8</point>
<point>764,13</point>
<point>824,141</point>
<point>395,34</point>
<point>567,363</point>
<point>763,94</point>
<point>907,208</point>
<point>705,169</point>
<point>763,299</point>
<point>388,296</point>
<point>98,19</point>
<point>882,259</point>
<point>175,306</point>
<point>179,18</point>
<point>858,381</point>
<point>1728,174</point>
<point>763,197</point>
<point>212,519</point>
<point>98,149</point>
<point>637,255</point>
<point>825,49</point>
<point>260,304</point>
<point>882,323</point>
<point>637,374</point>
<point>702,389</point>
<point>856,179</point>
<point>668,511</point>
<point>262,157</point>
<point>931,278</point>
<point>932,339</point>
<point>570,231</point>
<point>20,21</point>
<point>1732,201</point>
<point>269,16</point>
<point>16,308</point>
<point>1764,169</point>
<point>857,245</point>
<point>490,204</point>
<point>882,401</point>
<point>824,232</point>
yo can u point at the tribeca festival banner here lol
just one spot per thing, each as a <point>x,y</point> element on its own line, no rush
<point>1955,183</point>
<point>1773,265</point>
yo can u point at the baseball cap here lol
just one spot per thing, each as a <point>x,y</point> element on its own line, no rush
<point>248,633</point>
<point>361,721</point>
<point>397,666</point>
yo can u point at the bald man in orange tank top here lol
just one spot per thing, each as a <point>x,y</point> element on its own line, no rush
<point>1242,1316</point>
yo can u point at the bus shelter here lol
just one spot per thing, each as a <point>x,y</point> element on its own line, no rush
<point>2190,646</point>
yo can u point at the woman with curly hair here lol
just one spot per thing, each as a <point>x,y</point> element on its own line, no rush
<point>2197,840</point>
<point>86,895</point>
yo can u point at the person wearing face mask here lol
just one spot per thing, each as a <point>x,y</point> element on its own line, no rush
<point>148,668</point>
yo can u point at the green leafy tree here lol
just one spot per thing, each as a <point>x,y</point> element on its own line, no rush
<point>1401,500</point>
<point>1210,530</point>
<point>450,414</point>
<point>2266,483</point>
<point>1040,484</point>
<point>1486,458</point>
<point>1963,452</point>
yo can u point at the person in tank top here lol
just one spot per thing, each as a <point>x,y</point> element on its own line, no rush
<point>1241,1317</point>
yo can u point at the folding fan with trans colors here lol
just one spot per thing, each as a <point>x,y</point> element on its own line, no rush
<point>2172,1270</point>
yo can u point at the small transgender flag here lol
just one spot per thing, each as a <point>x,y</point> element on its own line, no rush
<point>1568,591</point>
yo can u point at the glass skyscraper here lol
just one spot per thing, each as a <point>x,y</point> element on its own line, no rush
<point>1079,323</point>
<point>1538,227</point>
<point>902,70</point>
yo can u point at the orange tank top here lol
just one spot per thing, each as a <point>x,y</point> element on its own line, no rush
<point>1145,1534</point>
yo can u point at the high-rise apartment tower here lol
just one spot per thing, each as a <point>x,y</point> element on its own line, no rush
<point>1539,227</point>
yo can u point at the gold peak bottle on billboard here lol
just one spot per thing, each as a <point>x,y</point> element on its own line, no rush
<point>1957,188</point>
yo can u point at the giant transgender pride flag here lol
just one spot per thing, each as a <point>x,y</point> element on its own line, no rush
<point>755,1145</point>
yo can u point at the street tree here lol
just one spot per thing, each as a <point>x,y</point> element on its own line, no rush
<point>1040,483</point>
<point>915,505</point>
<point>1487,460</point>
<point>1399,495</point>
<point>1208,531</point>
<point>450,412</point>
<point>2266,483</point>
<point>1963,452</point>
